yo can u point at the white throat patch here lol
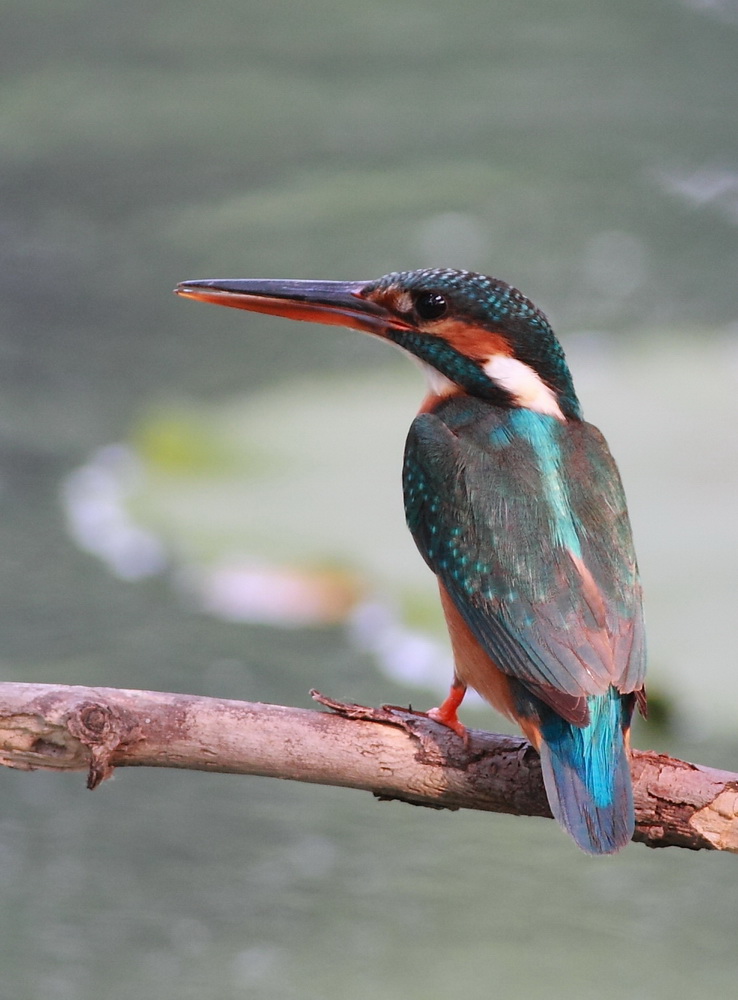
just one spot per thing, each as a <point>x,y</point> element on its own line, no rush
<point>524,385</point>
<point>438,385</point>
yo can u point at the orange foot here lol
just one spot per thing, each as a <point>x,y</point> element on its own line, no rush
<point>446,713</point>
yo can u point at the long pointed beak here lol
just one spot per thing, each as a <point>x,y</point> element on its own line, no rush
<point>337,303</point>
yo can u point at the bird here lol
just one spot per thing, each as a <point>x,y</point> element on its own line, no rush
<point>516,504</point>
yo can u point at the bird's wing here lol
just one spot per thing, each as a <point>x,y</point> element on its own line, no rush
<point>543,573</point>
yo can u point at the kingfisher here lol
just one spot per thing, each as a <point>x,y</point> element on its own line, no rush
<point>516,504</point>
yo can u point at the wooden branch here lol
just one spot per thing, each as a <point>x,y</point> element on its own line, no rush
<point>395,754</point>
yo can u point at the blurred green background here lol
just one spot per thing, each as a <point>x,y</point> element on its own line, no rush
<point>163,466</point>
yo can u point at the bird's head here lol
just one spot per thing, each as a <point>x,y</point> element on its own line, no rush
<point>471,333</point>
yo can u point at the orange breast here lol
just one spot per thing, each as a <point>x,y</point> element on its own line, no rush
<point>475,667</point>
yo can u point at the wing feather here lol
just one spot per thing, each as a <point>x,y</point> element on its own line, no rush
<point>529,535</point>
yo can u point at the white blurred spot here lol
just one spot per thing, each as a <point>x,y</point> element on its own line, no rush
<point>406,655</point>
<point>275,595</point>
<point>704,187</point>
<point>93,498</point>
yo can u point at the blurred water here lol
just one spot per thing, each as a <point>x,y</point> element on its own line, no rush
<point>585,152</point>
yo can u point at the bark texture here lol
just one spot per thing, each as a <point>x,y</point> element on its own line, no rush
<point>391,752</point>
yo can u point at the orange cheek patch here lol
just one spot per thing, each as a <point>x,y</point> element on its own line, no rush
<point>473,341</point>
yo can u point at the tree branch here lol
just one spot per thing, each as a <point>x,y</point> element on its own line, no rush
<point>395,754</point>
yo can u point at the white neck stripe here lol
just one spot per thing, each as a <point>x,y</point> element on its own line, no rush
<point>524,384</point>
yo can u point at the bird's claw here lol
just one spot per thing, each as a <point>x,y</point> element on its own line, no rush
<point>435,715</point>
<point>450,721</point>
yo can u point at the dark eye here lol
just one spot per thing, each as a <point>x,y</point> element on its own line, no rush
<point>430,305</point>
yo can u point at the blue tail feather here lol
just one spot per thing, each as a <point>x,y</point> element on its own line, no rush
<point>587,773</point>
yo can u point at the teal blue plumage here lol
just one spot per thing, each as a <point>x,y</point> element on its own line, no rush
<point>505,506</point>
<point>587,773</point>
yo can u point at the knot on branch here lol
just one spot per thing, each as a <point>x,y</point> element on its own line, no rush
<point>103,729</point>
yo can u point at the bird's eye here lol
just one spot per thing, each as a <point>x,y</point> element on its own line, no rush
<point>430,305</point>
